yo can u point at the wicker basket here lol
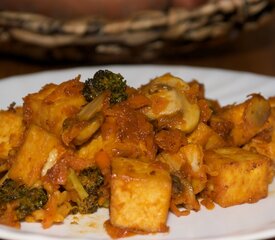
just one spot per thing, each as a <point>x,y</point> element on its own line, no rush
<point>143,36</point>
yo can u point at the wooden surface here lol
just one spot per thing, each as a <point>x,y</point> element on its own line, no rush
<point>252,51</point>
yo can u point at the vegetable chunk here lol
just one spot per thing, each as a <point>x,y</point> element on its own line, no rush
<point>242,121</point>
<point>49,107</point>
<point>38,148</point>
<point>206,137</point>
<point>140,195</point>
<point>28,199</point>
<point>237,176</point>
<point>264,142</point>
<point>105,80</point>
<point>170,105</point>
<point>11,132</point>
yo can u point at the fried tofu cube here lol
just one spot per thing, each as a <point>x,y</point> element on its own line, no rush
<point>49,107</point>
<point>236,176</point>
<point>140,195</point>
<point>206,137</point>
<point>39,146</point>
<point>247,119</point>
<point>11,131</point>
<point>264,142</point>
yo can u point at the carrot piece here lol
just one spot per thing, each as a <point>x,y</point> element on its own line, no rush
<point>103,161</point>
<point>174,209</point>
<point>50,210</point>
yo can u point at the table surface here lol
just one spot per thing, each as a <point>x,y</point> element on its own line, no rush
<point>252,51</point>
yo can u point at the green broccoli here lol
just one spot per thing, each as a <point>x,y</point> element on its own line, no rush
<point>29,199</point>
<point>10,190</point>
<point>87,205</point>
<point>105,80</point>
<point>91,180</point>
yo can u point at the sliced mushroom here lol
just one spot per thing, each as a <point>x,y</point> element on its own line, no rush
<point>92,108</point>
<point>191,115</point>
<point>79,132</point>
<point>51,161</point>
<point>183,193</point>
<point>167,94</point>
<point>165,101</point>
<point>88,131</point>
<point>81,128</point>
<point>257,111</point>
<point>172,81</point>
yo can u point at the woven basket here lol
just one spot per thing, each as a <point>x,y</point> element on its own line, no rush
<point>143,36</point>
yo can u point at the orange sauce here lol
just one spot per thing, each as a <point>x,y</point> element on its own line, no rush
<point>208,203</point>
<point>159,104</point>
<point>116,232</point>
<point>9,216</point>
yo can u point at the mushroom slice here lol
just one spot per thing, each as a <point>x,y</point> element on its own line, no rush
<point>168,99</point>
<point>165,101</point>
<point>92,108</point>
<point>51,161</point>
<point>172,81</point>
<point>88,131</point>
<point>191,115</point>
<point>79,129</point>
<point>79,132</point>
<point>257,111</point>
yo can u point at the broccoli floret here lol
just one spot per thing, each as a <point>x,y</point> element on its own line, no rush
<point>88,205</point>
<point>35,199</point>
<point>91,179</point>
<point>29,199</point>
<point>88,186</point>
<point>10,190</point>
<point>105,80</point>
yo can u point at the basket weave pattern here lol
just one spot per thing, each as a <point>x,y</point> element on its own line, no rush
<point>40,36</point>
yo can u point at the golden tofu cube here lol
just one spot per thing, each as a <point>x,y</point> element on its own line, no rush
<point>236,176</point>
<point>38,147</point>
<point>11,132</point>
<point>206,137</point>
<point>264,142</point>
<point>89,150</point>
<point>140,195</point>
<point>247,119</point>
<point>49,107</point>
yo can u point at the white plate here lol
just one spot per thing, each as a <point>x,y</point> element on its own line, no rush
<point>248,221</point>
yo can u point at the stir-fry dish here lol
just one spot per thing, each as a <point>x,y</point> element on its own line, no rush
<point>141,152</point>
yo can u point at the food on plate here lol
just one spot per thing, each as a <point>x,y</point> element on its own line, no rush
<point>238,176</point>
<point>141,152</point>
<point>168,96</point>
<point>140,195</point>
<point>11,134</point>
<point>246,119</point>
